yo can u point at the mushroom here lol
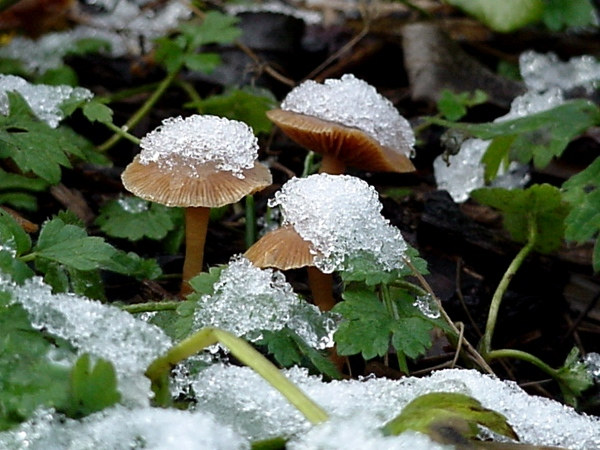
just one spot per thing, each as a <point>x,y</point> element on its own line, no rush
<point>349,123</point>
<point>330,222</point>
<point>198,163</point>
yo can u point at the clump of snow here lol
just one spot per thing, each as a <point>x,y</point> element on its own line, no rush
<point>354,103</point>
<point>545,71</point>
<point>230,144</point>
<point>311,17</point>
<point>101,330</point>
<point>239,397</point>
<point>44,100</point>
<point>592,363</point>
<point>247,299</point>
<point>121,428</point>
<point>340,216</point>
<point>127,26</point>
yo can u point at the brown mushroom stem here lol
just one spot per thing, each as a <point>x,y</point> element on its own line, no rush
<point>332,165</point>
<point>321,286</point>
<point>196,225</point>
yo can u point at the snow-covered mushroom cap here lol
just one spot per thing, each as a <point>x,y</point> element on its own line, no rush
<point>349,118</point>
<point>340,216</point>
<point>197,161</point>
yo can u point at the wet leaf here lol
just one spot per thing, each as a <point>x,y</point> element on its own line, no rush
<point>540,205</point>
<point>573,378</point>
<point>462,413</point>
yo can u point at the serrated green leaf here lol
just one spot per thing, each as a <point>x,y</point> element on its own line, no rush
<point>573,378</point>
<point>13,181</point>
<point>411,336</point>
<point>93,388</point>
<point>71,246</point>
<point>15,268</point>
<point>453,106</point>
<point>94,111</point>
<point>170,53</point>
<point>560,14</point>
<point>202,62</point>
<point>540,205</point>
<point>503,16</point>
<point>35,146</point>
<point>131,264</point>
<point>582,191</point>
<point>248,105</point>
<point>458,412</point>
<point>133,218</point>
<point>12,236</point>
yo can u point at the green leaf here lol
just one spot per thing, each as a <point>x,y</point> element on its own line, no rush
<point>29,378</point>
<point>70,245</point>
<point>582,191</point>
<point>366,325</point>
<point>35,146</point>
<point>460,413</point>
<point>538,137</point>
<point>62,75</point>
<point>15,268</point>
<point>132,265</point>
<point>12,236</point>
<point>248,105</point>
<point>540,205</point>
<point>85,46</point>
<point>454,106</point>
<point>94,111</point>
<point>170,53</point>
<point>93,388</point>
<point>216,28</point>
<point>133,218</point>
<point>503,16</point>
<point>202,62</point>
<point>573,378</point>
<point>560,14</point>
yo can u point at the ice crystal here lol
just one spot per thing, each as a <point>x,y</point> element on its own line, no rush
<point>276,7</point>
<point>44,100</point>
<point>592,363</point>
<point>247,299</point>
<point>354,103</point>
<point>230,144</point>
<point>239,397</point>
<point>102,330</point>
<point>121,428</point>
<point>133,205</point>
<point>544,71</point>
<point>340,216</point>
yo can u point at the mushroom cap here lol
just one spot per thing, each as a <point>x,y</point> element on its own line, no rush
<point>282,249</point>
<point>350,145</point>
<point>188,183</point>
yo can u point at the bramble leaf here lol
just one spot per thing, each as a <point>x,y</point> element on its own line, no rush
<point>133,218</point>
<point>540,205</point>
<point>35,146</point>
<point>70,245</point>
<point>582,191</point>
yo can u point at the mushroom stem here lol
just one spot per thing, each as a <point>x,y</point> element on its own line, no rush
<point>332,165</point>
<point>321,286</point>
<point>196,224</point>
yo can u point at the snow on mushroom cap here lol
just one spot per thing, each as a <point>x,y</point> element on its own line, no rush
<point>355,103</point>
<point>341,216</point>
<point>199,139</point>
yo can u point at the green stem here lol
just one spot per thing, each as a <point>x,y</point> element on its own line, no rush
<point>392,309</point>
<point>151,307</point>
<point>250,221</point>
<point>519,354</point>
<point>158,371</point>
<point>486,342</point>
<point>122,133</point>
<point>143,110</point>
<point>192,93</point>
<point>29,257</point>
<point>407,285</point>
<point>308,163</point>
<point>128,93</point>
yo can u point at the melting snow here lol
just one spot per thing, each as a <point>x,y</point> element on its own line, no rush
<point>341,216</point>
<point>44,100</point>
<point>230,144</point>
<point>354,103</point>
<point>247,300</point>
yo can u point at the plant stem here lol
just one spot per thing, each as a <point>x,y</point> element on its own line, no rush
<point>475,355</point>
<point>142,111</point>
<point>246,354</point>
<point>391,307</point>
<point>122,132</point>
<point>308,162</point>
<point>486,341</point>
<point>250,212</point>
<point>150,307</point>
<point>519,354</point>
